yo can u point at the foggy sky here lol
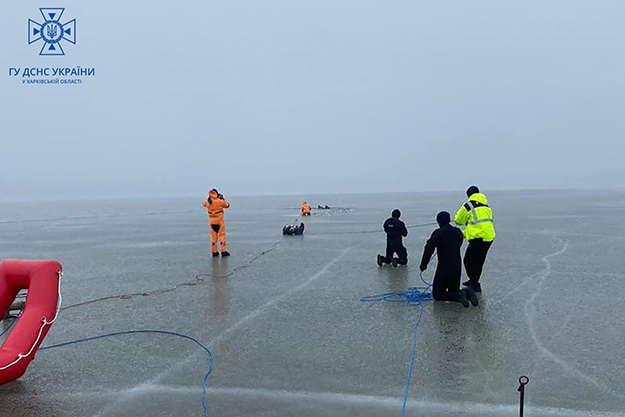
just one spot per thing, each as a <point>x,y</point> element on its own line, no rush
<point>325,96</point>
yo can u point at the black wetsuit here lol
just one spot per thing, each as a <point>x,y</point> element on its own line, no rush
<point>293,230</point>
<point>395,229</point>
<point>447,241</point>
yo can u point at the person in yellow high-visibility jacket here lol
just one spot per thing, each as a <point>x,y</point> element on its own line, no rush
<point>305,209</point>
<point>477,216</point>
<point>215,205</point>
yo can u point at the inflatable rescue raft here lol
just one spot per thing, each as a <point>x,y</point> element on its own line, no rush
<point>42,279</point>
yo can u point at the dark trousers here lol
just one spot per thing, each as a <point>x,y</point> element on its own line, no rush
<point>446,285</point>
<point>474,259</point>
<point>394,247</point>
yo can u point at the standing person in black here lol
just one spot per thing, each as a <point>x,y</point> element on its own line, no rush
<point>395,229</point>
<point>447,240</point>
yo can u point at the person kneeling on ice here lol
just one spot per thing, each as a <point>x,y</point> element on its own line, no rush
<point>215,205</point>
<point>395,229</point>
<point>447,240</point>
<point>305,209</point>
<point>291,229</point>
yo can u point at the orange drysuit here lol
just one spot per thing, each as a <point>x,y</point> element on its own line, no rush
<point>215,205</point>
<point>305,209</point>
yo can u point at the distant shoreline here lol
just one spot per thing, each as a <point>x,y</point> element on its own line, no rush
<point>200,195</point>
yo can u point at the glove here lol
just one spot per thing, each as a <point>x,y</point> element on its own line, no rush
<point>220,196</point>
<point>423,268</point>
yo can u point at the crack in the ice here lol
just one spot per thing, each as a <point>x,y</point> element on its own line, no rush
<point>197,280</point>
<point>530,313</point>
<point>138,389</point>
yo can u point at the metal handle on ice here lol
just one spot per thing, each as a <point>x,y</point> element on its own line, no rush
<point>523,381</point>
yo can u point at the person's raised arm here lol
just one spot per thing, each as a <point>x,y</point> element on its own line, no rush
<point>462,215</point>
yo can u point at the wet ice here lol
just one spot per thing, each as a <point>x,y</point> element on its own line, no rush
<point>289,334</point>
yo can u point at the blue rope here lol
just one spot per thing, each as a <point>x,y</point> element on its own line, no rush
<point>413,296</point>
<point>200,344</point>
<point>413,354</point>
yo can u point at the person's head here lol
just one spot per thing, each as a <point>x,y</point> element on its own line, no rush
<point>213,193</point>
<point>472,190</point>
<point>396,214</point>
<point>443,218</point>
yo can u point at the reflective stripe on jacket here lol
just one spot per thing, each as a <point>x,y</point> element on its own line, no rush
<point>477,216</point>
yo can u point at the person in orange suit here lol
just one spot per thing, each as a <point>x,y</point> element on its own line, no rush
<point>215,205</point>
<point>305,209</point>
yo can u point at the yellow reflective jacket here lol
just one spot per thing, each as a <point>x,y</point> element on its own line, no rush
<point>477,217</point>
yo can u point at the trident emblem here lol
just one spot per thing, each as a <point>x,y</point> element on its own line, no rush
<point>52,31</point>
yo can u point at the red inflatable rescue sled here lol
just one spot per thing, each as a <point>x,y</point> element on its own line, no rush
<point>43,281</point>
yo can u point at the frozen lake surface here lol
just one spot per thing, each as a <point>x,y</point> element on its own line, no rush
<point>284,320</point>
